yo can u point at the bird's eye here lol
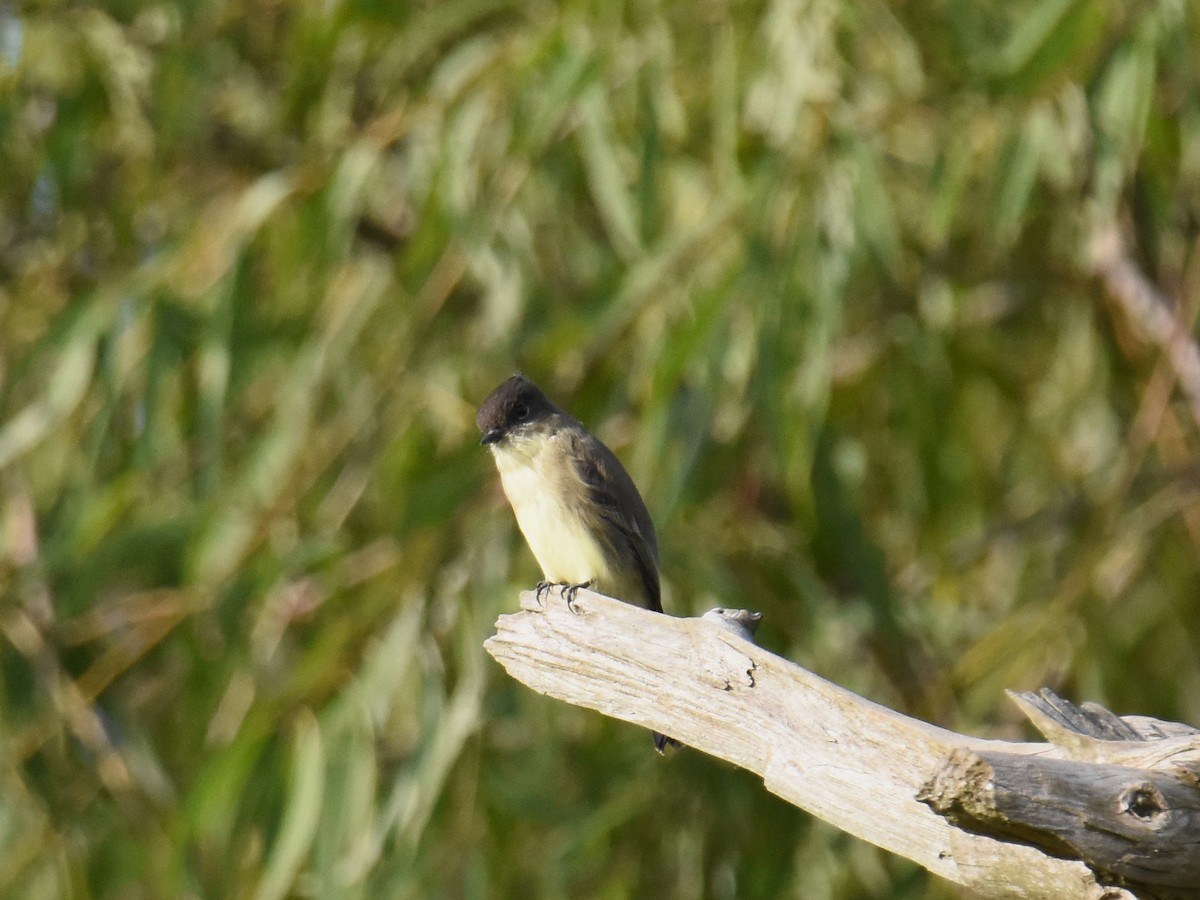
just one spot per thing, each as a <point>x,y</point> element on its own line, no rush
<point>520,412</point>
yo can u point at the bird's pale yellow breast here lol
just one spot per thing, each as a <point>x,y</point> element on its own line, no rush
<point>536,481</point>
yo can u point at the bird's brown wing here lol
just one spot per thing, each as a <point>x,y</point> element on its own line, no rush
<point>624,511</point>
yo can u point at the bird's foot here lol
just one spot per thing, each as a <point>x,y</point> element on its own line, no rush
<point>569,591</point>
<point>542,591</point>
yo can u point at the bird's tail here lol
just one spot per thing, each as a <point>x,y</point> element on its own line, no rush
<point>661,742</point>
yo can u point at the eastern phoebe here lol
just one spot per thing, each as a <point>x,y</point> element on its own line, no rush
<point>579,510</point>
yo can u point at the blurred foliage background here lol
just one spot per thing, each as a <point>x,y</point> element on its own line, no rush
<point>851,288</point>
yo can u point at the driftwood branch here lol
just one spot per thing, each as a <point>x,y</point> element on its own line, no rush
<point>1109,808</point>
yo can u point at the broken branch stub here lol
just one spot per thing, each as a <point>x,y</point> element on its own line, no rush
<point>1125,800</point>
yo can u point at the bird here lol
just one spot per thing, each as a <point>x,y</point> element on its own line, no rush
<point>579,510</point>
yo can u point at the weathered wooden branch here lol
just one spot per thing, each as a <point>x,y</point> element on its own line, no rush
<point>1109,808</point>
<point>1147,309</point>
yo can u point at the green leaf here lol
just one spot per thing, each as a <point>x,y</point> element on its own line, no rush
<point>301,815</point>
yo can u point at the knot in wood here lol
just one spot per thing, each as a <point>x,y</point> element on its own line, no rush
<point>1143,801</point>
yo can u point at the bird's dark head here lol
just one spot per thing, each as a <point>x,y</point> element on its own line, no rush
<point>516,405</point>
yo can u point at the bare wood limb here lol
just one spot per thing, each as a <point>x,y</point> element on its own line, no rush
<point>853,763</point>
<point>1148,309</point>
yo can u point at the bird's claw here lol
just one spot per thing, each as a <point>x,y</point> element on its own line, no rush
<point>569,591</point>
<point>542,591</point>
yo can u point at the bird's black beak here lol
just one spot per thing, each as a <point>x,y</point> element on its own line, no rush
<point>491,436</point>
